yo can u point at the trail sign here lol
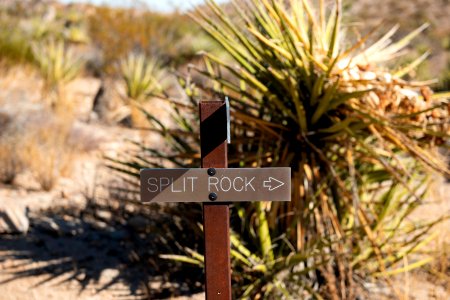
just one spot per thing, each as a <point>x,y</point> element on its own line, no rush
<point>220,185</point>
<point>216,186</point>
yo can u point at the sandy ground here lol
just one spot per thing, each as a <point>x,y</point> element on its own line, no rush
<point>88,173</point>
<point>21,256</point>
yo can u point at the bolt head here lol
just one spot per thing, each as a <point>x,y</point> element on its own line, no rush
<point>212,196</point>
<point>211,171</point>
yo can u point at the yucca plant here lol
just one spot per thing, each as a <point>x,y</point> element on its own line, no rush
<point>76,34</point>
<point>58,65</point>
<point>359,139</point>
<point>142,77</point>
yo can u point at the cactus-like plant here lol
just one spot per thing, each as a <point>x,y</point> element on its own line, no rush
<point>58,65</point>
<point>358,137</point>
<point>142,76</point>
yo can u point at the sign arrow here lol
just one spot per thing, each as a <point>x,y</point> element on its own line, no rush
<point>268,183</point>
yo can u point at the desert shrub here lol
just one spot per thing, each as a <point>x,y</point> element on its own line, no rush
<point>171,37</point>
<point>43,145</point>
<point>143,78</point>
<point>410,15</point>
<point>11,150</point>
<point>358,137</point>
<point>19,30</point>
<point>47,152</point>
<point>14,45</point>
<point>11,159</point>
<point>47,42</point>
<point>58,65</point>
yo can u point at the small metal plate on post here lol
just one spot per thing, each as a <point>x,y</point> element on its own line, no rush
<point>227,106</point>
<point>218,185</point>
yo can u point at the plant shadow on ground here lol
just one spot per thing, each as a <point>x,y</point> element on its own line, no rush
<point>70,244</point>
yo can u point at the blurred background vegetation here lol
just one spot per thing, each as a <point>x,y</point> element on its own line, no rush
<point>364,136</point>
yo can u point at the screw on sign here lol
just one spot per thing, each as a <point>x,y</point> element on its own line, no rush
<point>216,186</point>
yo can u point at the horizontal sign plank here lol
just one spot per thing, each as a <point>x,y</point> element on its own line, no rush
<point>219,185</point>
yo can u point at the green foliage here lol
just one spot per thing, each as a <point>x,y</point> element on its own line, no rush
<point>328,109</point>
<point>142,76</point>
<point>57,63</point>
<point>356,136</point>
<point>171,37</point>
<point>18,32</point>
<point>14,45</point>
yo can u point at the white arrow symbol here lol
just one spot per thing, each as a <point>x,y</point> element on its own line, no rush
<point>268,183</point>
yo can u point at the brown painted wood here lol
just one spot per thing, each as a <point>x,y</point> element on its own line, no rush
<point>216,216</point>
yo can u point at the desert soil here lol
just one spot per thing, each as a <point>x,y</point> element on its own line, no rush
<point>24,278</point>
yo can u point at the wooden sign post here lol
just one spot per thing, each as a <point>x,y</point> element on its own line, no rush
<point>216,186</point>
<point>216,216</point>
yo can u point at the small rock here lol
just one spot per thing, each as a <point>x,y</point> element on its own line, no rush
<point>82,92</point>
<point>64,194</point>
<point>47,225</point>
<point>368,76</point>
<point>104,215</point>
<point>99,225</point>
<point>199,296</point>
<point>13,218</point>
<point>108,275</point>
<point>155,285</point>
<point>107,103</point>
<point>81,276</point>
<point>130,208</point>
<point>57,226</point>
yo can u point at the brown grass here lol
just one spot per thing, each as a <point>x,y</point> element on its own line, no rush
<point>11,159</point>
<point>439,269</point>
<point>48,154</point>
<point>44,145</point>
<point>118,32</point>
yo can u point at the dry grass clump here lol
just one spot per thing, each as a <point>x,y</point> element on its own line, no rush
<point>118,32</point>
<point>44,145</point>
<point>20,29</point>
<point>439,269</point>
<point>391,96</point>
<point>14,46</point>
<point>143,79</point>
<point>11,159</point>
<point>58,64</point>
<point>47,153</point>
<point>11,156</point>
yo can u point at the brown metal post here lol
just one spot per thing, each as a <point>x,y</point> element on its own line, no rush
<point>216,216</point>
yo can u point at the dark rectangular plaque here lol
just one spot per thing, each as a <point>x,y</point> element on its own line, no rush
<point>230,185</point>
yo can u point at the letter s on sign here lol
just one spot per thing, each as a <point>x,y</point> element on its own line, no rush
<point>154,185</point>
